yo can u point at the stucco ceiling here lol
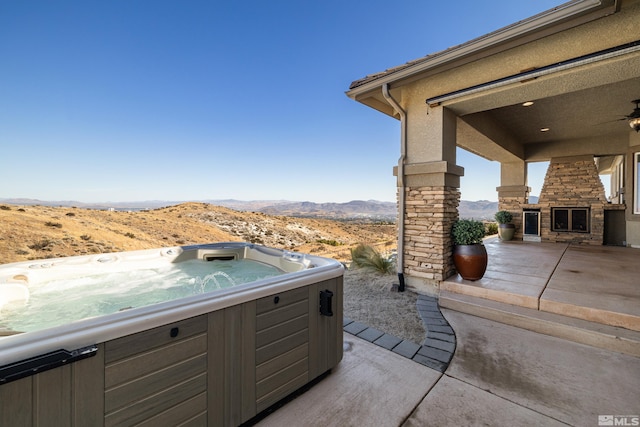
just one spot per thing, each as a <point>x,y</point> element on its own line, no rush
<point>584,109</point>
<point>584,114</point>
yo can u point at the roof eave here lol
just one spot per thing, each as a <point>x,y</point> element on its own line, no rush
<point>449,57</point>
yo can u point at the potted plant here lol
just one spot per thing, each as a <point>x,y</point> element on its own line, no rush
<point>469,254</point>
<point>505,228</point>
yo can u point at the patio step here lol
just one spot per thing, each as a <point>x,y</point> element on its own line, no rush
<point>577,330</point>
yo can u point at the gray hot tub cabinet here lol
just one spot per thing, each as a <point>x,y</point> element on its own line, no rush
<point>217,369</point>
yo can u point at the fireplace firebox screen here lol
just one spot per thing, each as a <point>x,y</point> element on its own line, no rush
<point>574,220</point>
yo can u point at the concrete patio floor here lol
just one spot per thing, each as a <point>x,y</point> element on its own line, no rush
<point>594,283</point>
<point>500,375</point>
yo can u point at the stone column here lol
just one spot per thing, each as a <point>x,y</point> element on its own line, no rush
<point>431,190</point>
<point>430,212</point>
<point>513,192</point>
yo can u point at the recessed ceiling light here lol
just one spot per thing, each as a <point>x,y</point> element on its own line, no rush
<point>527,104</point>
<point>544,130</point>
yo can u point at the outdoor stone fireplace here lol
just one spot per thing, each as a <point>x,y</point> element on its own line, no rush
<point>572,202</point>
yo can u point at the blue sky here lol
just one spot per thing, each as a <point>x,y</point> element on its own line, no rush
<point>193,100</point>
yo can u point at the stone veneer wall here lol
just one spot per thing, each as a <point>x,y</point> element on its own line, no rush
<point>429,216</point>
<point>572,182</point>
<point>513,205</point>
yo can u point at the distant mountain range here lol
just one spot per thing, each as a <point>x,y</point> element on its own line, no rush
<point>481,209</point>
<point>356,209</point>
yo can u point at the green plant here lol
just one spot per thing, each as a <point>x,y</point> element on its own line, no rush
<point>467,232</point>
<point>492,228</point>
<point>41,245</point>
<point>329,242</point>
<point>365,256</point>
<point>503,217</point>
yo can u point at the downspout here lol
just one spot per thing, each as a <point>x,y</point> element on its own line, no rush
<point>401,185</point>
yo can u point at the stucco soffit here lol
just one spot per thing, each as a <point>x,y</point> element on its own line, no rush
<point>597,146</point>
<point>485,138</point>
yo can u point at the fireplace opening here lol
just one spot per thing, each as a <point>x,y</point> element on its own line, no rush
<point>575,220</point>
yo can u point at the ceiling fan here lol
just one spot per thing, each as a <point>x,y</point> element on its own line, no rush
<point>634,117</point>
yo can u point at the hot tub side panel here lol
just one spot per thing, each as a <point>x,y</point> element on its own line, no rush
<point>269,348</point>
<point>216,369</point>
<point>158,375</point>
<point>71,395</point>
<point>325,331</point>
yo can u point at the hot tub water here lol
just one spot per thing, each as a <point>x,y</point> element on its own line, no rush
<point>63,300</point>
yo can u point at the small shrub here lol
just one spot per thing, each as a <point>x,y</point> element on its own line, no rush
<point>492,228</point>
<point>85,237</point>
<point>39,246</point>
<point>503,217</point>
<point>365,256</point>
<point>467,232</point>
<point>21,252</point>
<point>5,208</point>
<point>70,214</point>
<point>330,242</point>
<point>21,210</point>
<point>53,224</point>
<point>131,235</point>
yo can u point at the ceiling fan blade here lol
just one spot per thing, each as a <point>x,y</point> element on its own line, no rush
<point>610,121</point>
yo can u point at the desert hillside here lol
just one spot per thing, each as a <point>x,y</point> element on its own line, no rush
<point>36,232</point>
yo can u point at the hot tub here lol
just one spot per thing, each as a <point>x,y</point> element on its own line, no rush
<point>206,334</point>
